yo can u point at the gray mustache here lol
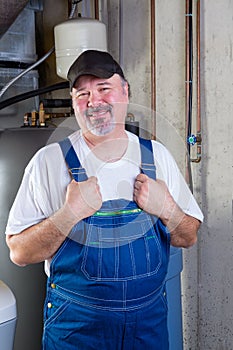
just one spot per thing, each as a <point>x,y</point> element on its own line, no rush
<point>91,111</point>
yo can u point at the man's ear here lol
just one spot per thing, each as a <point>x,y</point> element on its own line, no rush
<point>127,87</point>
<point>72,101</point>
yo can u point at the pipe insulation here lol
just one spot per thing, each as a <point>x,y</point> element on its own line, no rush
<point>33,93</point>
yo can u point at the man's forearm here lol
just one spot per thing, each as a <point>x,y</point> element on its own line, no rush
<point>183,228</point>
<point>155,198</point>
<point>40,242</point>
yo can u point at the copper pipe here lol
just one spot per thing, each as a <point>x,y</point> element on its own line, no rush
<point>198,159</point>
<point>198,120</point>
<point>187,62</point>
<point>153,73</point>
<point>41,115</point>
<point>97,9</point>
<point>198,70</point>
<point>188,85</point>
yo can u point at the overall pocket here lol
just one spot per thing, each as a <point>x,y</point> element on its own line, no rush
<point>54,309</point>
<point>121,248</point>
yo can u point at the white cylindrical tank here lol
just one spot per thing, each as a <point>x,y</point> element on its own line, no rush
<point>8,315</point>
<point>75,36</point>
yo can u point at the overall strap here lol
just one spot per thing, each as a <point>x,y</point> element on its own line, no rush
<point>147,158</point>
<point>77,171</point>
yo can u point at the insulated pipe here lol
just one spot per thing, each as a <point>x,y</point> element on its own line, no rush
<point>56,103</point>
<point>34,65</point>
<point>18,98</point>
<point>153,78</point>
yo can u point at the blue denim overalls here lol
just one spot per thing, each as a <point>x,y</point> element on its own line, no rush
<point>106,289</point>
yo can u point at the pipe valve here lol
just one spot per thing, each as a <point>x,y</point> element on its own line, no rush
<point>191,140</point>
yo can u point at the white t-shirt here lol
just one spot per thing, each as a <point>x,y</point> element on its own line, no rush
<point>43,188</point>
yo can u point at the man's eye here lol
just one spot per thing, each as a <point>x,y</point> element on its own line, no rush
<point>81,95</point>
<point>105,89</point>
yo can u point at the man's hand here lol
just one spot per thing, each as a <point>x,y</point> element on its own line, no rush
<point>41,241</point>
<point>152,196</point>
<point>155,198</point>
<point>83,198</point>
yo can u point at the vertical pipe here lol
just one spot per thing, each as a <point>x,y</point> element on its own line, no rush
<point>198,116</point>
<point>198,69</point>
<point>153,77</point>
<point>198,83</point>
<point>97,9</point>
<point>188,81</point>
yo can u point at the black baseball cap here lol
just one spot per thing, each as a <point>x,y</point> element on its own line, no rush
<point>92,62</point>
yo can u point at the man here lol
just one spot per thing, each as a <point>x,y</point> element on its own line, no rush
<point>93,209</point>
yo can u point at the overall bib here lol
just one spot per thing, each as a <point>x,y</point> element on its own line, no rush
<point>106,288</point>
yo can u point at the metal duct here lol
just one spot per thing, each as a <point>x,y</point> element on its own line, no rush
<point>9,10</point>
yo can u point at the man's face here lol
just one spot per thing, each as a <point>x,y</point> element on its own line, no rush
<point>100,105</point>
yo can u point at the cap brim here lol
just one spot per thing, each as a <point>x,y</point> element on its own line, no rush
<point>98,73</point>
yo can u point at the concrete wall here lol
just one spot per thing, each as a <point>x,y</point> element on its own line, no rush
<point>207,276</point>
<point>215,275</point>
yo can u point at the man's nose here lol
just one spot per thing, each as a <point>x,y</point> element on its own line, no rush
<point>94,99</point>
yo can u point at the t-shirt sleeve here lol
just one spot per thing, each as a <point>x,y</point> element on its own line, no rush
<point>25,210</point>
<point>168,171</point>
<point>42,190</point>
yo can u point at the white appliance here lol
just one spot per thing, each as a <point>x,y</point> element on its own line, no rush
<point>8,316</point>
<point>74,36</point>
